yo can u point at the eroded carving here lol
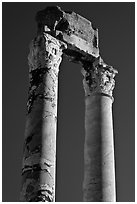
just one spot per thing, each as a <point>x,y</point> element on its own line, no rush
<point>98,77</point>
<point>44,57</point>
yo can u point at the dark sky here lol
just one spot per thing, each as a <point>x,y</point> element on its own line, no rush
<point>115,22</point>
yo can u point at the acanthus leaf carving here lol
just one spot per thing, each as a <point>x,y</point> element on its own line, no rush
<point>45,52</point>
<point>44,58</point>
<point>98,77</point>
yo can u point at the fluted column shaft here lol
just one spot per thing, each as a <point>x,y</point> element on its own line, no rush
<point>39,155</point>
<point>99,168</point>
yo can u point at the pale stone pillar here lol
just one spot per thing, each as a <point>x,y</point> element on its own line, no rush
<point>39,155</point>
<point>99,168</point>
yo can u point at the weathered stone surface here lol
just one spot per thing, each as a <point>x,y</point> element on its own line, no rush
<point>71,28</point>
<point>39,156</point>
<point>67,33</point>
<point>98,77</point>
<point>99,169</point>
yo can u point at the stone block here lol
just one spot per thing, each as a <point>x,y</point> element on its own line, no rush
<point>70,28</point>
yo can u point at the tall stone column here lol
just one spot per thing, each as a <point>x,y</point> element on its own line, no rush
<point>99,164</point>
<point>39,154</point>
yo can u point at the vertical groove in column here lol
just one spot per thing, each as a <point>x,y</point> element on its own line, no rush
<point>39,154</point>
<point>99,169</point>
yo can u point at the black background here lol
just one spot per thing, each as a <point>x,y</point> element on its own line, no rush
<point>115,22</point>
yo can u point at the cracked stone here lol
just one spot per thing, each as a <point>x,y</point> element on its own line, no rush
<point>69,27</point>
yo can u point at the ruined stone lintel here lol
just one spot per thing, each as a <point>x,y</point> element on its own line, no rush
<point>70,28</point>
<point>98,78</point>
<point>44,57</point>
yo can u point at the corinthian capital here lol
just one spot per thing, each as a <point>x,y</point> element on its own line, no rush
<point>44,59</point>
<point>45,52</point>
<point>98,77</point>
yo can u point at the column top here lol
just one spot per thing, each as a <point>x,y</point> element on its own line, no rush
<point>73,29</point>
<point>98,78</point>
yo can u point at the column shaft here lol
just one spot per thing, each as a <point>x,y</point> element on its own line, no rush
<point>39,154</point>
<point>99,175</point>
<point>99,168</point>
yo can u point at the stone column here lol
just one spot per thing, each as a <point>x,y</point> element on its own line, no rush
<point>39,154</point>
<point>99,168</point>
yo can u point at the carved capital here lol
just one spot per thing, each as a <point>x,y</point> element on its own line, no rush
<point>45,52</point>
<point>98,77</point>
<point>44,60</point>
